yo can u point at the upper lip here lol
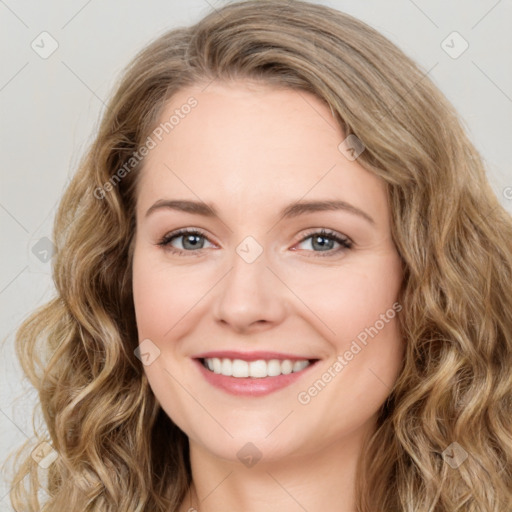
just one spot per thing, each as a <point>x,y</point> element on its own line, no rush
<point>251,356</point>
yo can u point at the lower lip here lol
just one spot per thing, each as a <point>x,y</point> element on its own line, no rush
<point>250,386</point>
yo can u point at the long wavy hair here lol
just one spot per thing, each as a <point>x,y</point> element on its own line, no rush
<point>117,450</point>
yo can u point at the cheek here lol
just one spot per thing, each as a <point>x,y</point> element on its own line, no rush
<point>359,312</point>
<point>162,294</point>
<point>151,302</point>
<point>352,298</point>
<point>365,303</point>
<point>360,308</point>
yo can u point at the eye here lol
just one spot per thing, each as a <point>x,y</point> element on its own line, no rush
<point>325,241</point>
<point>192,240</point>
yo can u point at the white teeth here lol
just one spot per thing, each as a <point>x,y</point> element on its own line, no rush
<point>300,365</point>
<point>256,369</point>
<point>227,367</point>
<point>273,368</point>
<point>287,367</point>
<point>240,368</point>
<point>217,365</point>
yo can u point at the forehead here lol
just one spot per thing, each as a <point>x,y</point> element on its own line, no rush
<point>245,145</point>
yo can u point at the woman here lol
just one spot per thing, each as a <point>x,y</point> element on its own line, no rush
<point>201,354</point>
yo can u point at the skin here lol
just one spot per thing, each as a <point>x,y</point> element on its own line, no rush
<point>250,150</point>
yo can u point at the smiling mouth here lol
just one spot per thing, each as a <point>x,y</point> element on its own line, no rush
<point>258,369</point>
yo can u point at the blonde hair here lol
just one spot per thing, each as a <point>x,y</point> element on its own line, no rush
<point>117,450</point>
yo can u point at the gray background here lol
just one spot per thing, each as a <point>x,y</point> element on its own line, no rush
<point>50,106</point>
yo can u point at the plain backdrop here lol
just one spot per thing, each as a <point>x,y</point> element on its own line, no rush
<point>60,61</point>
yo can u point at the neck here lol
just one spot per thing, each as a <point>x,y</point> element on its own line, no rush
<point>317,481</point>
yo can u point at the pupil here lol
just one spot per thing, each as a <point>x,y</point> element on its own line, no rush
<point>322,246</point>
<point>191,239</point>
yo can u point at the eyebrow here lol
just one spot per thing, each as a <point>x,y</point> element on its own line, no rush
<point>290,211</point>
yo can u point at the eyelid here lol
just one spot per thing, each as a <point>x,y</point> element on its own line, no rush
<point>324,232</point>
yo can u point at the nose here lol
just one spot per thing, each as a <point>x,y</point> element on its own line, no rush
<point>251,297</point>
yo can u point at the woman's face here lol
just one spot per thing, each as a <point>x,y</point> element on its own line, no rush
<point>302,325</point>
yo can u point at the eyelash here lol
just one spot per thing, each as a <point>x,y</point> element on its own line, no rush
<point>344,242</point>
